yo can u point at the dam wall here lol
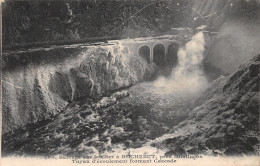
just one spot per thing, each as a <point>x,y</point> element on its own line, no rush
<point>39,83</point>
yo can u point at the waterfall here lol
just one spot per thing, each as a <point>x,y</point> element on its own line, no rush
<point>187,77</point>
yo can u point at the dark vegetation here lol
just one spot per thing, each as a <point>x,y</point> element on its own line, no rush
<point>39,21</point>
<point>45,21</point>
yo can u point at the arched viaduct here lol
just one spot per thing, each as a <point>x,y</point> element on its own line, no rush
<point>161,53</point>
<point>160,50</point>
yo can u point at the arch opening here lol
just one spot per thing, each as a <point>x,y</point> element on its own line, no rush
<point>172,57</point>
<point>159,54</point>
<point>144,52</point>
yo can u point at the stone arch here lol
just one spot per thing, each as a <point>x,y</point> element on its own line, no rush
<point>172,56</point>
<point>144,52</point>
<point>159,54</point>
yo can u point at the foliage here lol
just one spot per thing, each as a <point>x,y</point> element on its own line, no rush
<point>39,21</point>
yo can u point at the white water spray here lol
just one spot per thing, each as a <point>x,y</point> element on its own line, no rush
<point>187,77</point>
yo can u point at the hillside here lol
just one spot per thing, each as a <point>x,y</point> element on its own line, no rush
<point>232,25</point>
<point>39,21</point>
<point>226,119</point>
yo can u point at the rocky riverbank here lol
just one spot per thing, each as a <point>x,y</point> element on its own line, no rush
<point>225,120</point>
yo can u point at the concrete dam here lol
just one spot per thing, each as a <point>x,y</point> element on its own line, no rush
<point>39,82</point>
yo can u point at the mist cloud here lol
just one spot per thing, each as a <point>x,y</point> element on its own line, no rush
<point>187,77</point>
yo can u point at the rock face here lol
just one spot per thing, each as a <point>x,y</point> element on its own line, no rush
<point>233,28</point>
<point>81,128</point>
<point>38,84</point>
<point>226,119</point>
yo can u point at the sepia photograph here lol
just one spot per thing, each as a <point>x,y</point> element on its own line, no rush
<point>130,82</point>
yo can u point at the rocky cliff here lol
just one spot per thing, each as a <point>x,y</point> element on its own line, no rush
<point>233,27</point>
<point>225,120</point>
<point>39,83</point>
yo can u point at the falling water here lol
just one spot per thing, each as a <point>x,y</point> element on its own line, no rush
<point>187,77</point>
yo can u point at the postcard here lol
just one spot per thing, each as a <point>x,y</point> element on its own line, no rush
<point>130,82</point>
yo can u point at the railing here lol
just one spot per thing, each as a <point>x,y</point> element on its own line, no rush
<point>73,41</point>
<point>62,42</point>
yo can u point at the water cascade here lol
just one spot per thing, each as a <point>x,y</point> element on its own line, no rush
<point>187,77</point>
